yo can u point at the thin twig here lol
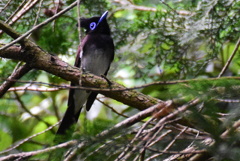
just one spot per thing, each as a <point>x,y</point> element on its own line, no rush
<point>79,22</point>
<point>159,126</point>
<point>37,89</point>
<point>20,11</point>
<point>126,4</point>
<point>107,144</point>
<point>115,111</point>
<point>118,127</point>
<point>27,139</point>
<point>227,100</point>
<point>169,6</point>
<point>230,58</point>
<point>120,89</point>
<point>226,133</point>
<point>174,157</point>
<point>152,143</point>
<point>14,13</point>
<point>175,138</point>
<point>38,15</point>
<point>29,112</point>
<point>128,146</point>
<point>16,74</point>
<point>159,138</point>
<point>21,156</point>
<point>6,5</point>
<point>40,25</point>
<point>185,151</point>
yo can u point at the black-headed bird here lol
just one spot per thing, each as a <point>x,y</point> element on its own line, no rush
<point>94,55</point>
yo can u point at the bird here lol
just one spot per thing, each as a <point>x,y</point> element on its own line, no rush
<point>95,55</point>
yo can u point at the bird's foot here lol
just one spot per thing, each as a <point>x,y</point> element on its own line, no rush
<point>108,81</point>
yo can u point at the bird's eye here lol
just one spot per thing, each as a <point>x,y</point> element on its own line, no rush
<point>92,25</point>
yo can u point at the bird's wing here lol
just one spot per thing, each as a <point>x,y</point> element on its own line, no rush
<point>76,100</point>
<point>78,57</point>
<point>90,100</point>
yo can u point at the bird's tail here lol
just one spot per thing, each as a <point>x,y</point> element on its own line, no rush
<point>76,100</point>
<point>68,121</point>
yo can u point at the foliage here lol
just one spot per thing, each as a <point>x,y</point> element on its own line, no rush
<point>168,40</point>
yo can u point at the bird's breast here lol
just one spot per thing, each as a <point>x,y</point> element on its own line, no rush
<point>97,54</point>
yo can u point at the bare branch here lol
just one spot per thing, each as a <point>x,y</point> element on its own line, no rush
<point>32,153</point>
<point>24,9</point>
<point>27,139</point>
<point>149,138</point>
<point>29,112</point>
<point>122,125</point>
<point>38,89</point>
<point>230,58</point>
<point>36,27</point>
<point>61,87</point>
<point>5,6</point>
<point>127,4</point>
<point>113,110</point>
<point>36,58</point>
<point>14,13</point>
<point>18,73</point>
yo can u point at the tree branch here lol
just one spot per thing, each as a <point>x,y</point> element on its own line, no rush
<point>127,4</point>
<point>18,73</point>
<point>36,58</point>
<point>106,134</point>
<point>2,26</point>
<point>25,155</point>
<point>230,58</point>
<point>131,121</point>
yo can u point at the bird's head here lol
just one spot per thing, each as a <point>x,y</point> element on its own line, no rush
<point>96,24</point>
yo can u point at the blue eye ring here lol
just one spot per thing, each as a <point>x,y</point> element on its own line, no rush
<point>92,25</point>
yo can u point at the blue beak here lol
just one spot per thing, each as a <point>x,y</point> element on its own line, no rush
<point>104,16</point>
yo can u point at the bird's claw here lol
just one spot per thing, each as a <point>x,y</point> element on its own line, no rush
<point>108,81</point>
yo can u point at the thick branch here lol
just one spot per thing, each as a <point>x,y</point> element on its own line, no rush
<point>36,58</point>
<point>8,30</point>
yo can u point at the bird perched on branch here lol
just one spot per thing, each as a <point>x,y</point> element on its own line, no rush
<point>94,55</point>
